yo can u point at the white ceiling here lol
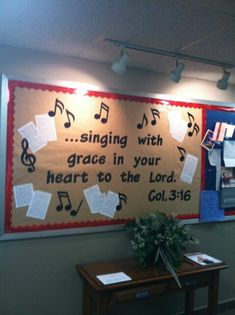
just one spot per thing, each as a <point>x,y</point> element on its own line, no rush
<point>77,28</point>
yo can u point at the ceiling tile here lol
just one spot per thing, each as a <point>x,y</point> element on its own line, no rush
<point>203,28</point>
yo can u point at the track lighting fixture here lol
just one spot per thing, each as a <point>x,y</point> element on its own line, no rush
<point>175,75</point>
<point>120,65</point>
<point>222,84</point>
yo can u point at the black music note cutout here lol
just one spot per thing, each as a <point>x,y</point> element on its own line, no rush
<point>103,108</point>
<point>26,158</point>
<point>182,153</point>
<point>122,197</point>
<point>67,124</point>
<point>155,113</point>
<point>74,212</point>
<point>59,105</point>
<point>191,119</point>
<point>144,120</point>
<point>196,129</point>
<point>65,202</point>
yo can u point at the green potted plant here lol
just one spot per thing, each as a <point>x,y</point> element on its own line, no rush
<point>158,237</point>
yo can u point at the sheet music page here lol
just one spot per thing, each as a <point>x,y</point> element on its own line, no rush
<point>46,126</point>
<point>189,169</point>
<point>30,132</point>
<point>23,194</point>
<point>39,205</point>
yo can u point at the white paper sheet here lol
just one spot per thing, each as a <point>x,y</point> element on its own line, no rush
<point>46,126</point>
<point>189,169</point>
<point>229,153</point>
<point>110,204</point>
<point>33,135</point>
<point>173,117</point>
<point>214,158</point>
<point>39,205</point>
<point>97,202</point>
<point>23,194</point>
<point>202,259</point>
<point>91,194</point>
<point>179,129</point>
<point>219,131</point>
<point>229,131</point>
<point>111,278</point>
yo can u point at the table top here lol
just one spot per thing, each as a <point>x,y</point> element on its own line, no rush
<point>154,273</point>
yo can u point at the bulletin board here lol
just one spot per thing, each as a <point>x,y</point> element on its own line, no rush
<point>212,117</point>
<point>99,160</point>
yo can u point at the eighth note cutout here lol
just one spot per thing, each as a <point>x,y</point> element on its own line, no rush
<point>65,203</point>
<point>104,111</point>
<point>122,199</point>
<point>155,114</point>
<point>182,153</point>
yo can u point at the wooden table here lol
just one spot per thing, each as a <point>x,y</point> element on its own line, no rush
<point>146,283</point>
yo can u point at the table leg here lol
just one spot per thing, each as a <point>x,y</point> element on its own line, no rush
<point>213,292</point>
<point>102,304</point>
<point>189,301</point>
<point>86,302</point>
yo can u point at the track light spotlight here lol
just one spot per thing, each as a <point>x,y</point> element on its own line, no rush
<point>120,65</point>
<point>175,75</point>
<point>222,84</point>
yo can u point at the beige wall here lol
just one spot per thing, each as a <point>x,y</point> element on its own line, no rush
<point>38,276</point>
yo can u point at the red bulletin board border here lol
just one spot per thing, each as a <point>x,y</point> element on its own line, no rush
<point>13,84</point>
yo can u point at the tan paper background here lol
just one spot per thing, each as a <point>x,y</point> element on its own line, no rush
<point>122,120</point>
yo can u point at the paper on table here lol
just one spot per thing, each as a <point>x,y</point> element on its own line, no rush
<point>91,194</point>
<point>111,278</point>
<point>202,259</point>
<point>39,205</point>
<point>23,194</point>
<point>214,158</point>
<point>229,153</point>
<point>46,126</point>
<point>189,169</point>
<point>33,135</point>
<point>110,204</point>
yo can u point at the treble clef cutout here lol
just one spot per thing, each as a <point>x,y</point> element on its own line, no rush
<point>26,158</point>
<point>122,198</point>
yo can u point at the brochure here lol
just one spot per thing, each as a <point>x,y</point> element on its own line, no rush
<point>202,259</point>
<point>113,278</point>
